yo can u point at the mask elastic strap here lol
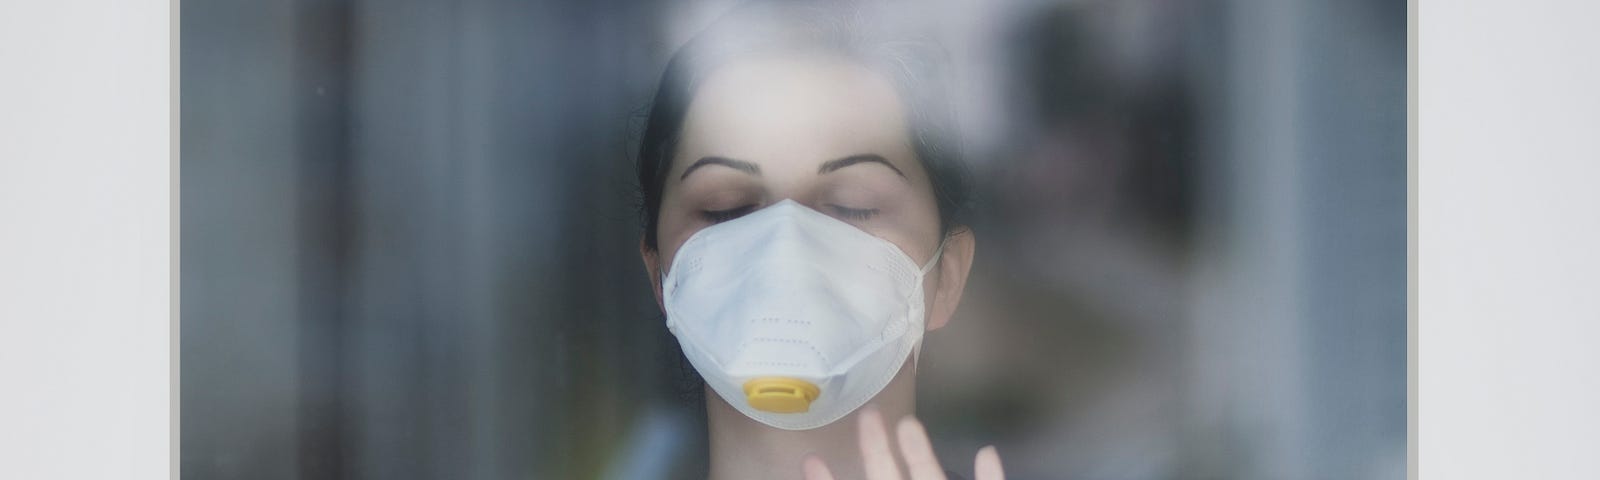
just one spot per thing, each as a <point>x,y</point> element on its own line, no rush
<point>916,354</point>
<point>916,350</point>
<point>937,254</point>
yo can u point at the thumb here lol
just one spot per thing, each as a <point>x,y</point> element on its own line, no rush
<point>815,468</point>
<point>987,465</point>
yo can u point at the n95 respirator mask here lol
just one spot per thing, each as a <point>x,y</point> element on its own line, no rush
<point>792,316</point>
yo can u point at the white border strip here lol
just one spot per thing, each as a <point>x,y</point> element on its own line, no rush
<point>1508,223</point>
<point>84,239</point>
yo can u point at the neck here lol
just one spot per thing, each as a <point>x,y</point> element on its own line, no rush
<point>744,448</point>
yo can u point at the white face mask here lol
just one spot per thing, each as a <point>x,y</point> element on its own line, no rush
<point>793,317</point>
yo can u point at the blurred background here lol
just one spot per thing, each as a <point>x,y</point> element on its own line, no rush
<point>409,246</point>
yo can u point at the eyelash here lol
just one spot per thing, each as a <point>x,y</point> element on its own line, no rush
<point>855,213</point>
<point>719,216</point>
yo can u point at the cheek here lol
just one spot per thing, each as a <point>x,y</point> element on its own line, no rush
<point>915,222</point>
<point>671,230</point>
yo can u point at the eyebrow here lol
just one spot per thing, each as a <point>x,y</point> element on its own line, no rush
<point>739,165</point>
<point>827,167</point>
<point>832,165</point>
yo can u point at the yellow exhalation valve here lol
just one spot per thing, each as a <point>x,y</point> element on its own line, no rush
<point>781,394</point>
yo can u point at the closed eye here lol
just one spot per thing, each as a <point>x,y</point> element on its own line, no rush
<point>853,213</point>
<point>719,216</point>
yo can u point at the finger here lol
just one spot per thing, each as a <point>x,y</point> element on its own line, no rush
<point>876,454</point>
<point>815,468</point>
<point>987,465</point>
<point>920,461</point>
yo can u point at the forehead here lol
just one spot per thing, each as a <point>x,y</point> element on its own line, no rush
<point>800,110</point>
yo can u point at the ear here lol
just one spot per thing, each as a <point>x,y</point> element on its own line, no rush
<point>652,266</point>
<point>952,271</point>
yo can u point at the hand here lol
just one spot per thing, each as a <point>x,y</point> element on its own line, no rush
<point>914,446</point>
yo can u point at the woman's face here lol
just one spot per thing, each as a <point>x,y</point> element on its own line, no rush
<point>824,132</point>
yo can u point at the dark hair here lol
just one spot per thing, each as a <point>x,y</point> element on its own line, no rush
<point>860,32</point>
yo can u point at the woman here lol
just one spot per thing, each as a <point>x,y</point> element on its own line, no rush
<point>801,191</point>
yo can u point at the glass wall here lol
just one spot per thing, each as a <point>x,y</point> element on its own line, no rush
<point>409,242</point>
